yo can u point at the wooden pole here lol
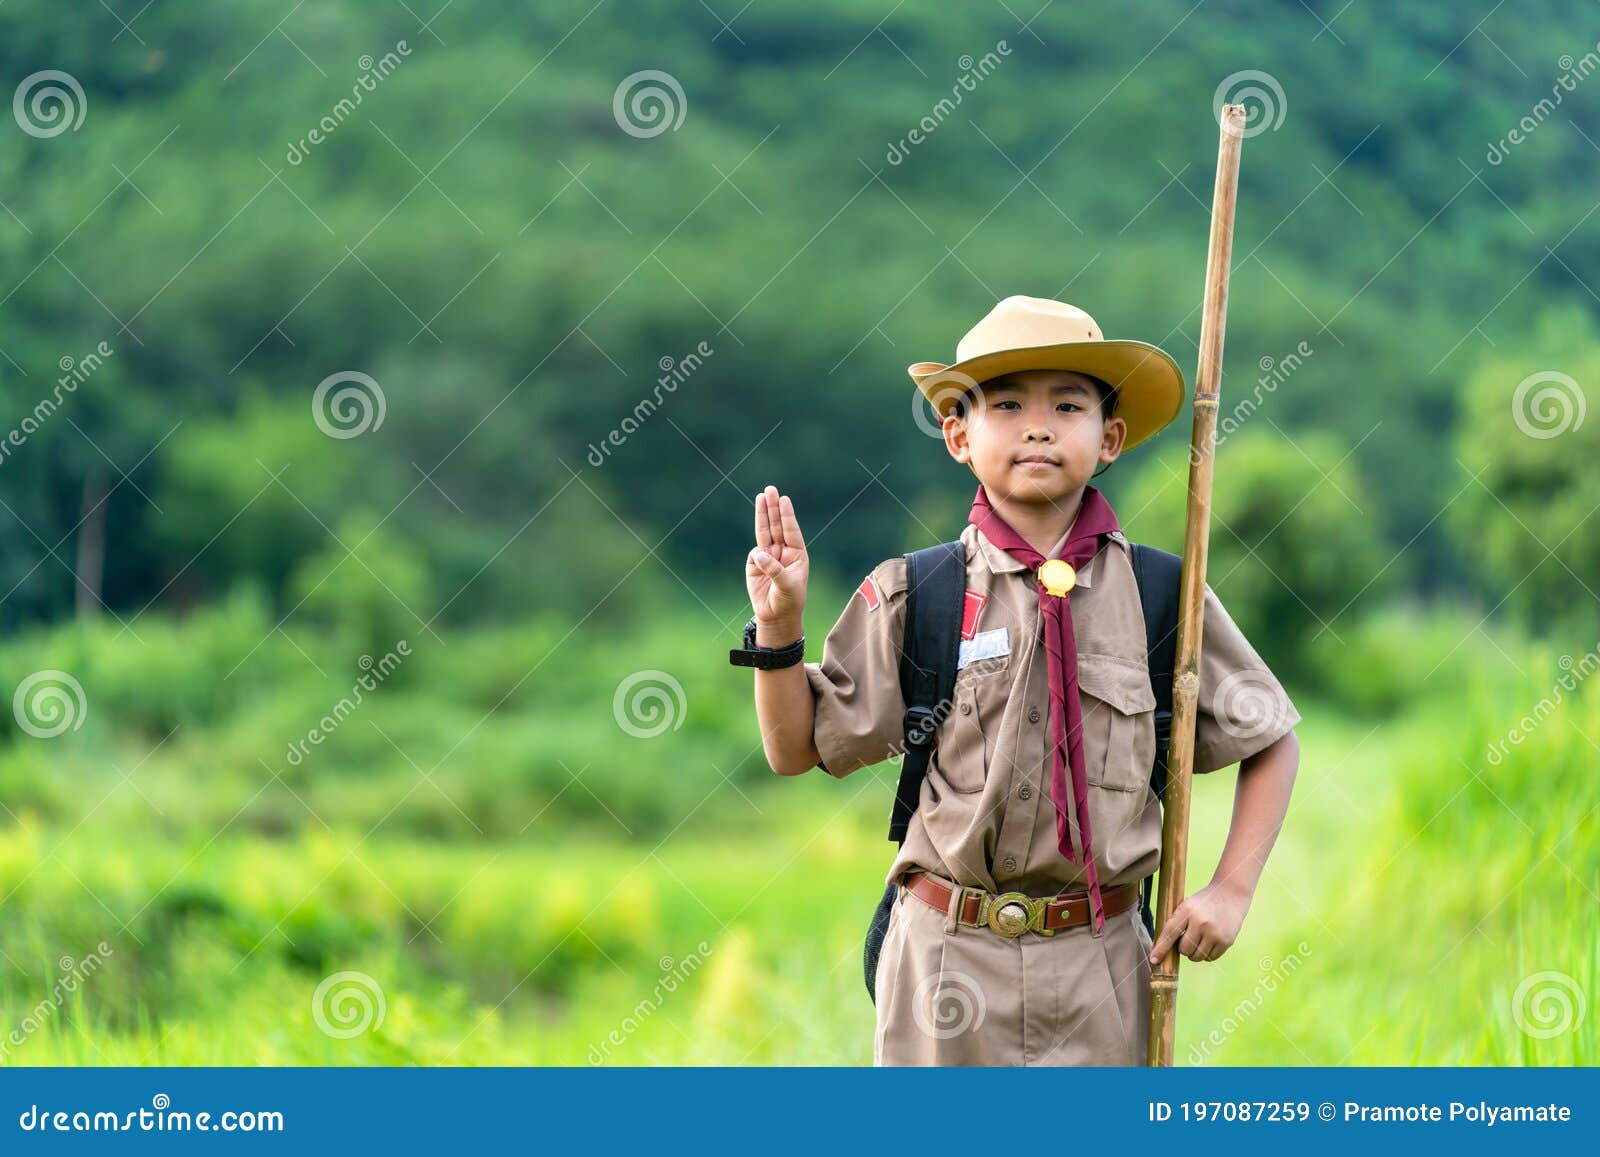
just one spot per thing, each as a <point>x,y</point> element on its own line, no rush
<point>1191,601</point>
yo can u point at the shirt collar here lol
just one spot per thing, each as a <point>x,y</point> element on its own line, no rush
<point>1002,563</point>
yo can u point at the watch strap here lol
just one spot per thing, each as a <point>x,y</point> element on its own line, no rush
<point>765,658</point>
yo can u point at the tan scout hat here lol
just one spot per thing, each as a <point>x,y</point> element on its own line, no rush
<point>1036,333</point>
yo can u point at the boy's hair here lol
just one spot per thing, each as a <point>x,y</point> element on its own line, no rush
<point>1108,397</point>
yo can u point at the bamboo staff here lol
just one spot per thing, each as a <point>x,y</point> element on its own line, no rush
<point>1191,602</point>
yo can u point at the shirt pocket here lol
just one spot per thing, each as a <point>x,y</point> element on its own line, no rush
<point>966,738</point>
<point>1119,722</point>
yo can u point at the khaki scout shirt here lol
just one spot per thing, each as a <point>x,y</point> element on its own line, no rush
<point>985,818</point>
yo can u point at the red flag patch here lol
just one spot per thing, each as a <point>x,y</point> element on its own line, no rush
<point>869,591</point>
<point>970,606</point>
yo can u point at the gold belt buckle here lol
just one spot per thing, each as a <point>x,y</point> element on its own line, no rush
<point>1013,913</point>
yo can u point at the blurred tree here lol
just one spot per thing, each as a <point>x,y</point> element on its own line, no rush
<point>254,492</point>
<point>1294,548</point>
<point>517,269</point>
<point>367,586</point>
<point>1529,454</point>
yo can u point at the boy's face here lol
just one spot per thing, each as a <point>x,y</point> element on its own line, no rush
<point>1035,436</point>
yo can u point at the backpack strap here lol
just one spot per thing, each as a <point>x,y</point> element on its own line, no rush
<point>1159,576</point>
<point>936,580</point>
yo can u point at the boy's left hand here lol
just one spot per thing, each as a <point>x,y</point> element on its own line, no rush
<point>1208,923</point>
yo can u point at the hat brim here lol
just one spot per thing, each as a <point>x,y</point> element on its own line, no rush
<point>1148,382</point>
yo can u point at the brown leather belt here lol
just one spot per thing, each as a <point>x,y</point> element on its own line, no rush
<point>1012,913</point>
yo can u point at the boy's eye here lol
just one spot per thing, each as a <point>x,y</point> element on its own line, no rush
<point>1012,404</point>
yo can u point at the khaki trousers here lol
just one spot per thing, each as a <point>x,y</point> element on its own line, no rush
<point>950,994</point>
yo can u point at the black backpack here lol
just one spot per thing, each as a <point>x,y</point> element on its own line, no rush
<point>936,580</point>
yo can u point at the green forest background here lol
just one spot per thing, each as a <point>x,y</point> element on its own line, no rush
<point>555,798</point>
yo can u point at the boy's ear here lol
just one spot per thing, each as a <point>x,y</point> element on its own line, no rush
<point>1112,439</point>
<point>954,429</point>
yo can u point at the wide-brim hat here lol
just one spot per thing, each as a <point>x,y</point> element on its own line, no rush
<point>1036,333</point>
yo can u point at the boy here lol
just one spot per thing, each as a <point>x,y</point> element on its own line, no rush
<point>1039,785</point>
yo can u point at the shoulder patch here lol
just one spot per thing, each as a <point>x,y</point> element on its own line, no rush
<point>890,576</point>
<point>869,591</point>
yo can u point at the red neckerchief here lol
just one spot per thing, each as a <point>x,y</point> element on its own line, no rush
<point>1095,520</point>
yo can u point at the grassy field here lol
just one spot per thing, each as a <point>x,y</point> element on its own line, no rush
<point>518,881</point>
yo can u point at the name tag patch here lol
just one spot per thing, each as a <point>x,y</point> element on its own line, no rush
<point>984,645</point>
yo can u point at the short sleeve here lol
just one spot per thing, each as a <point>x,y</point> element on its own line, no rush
<point>859,717</point>
<point>1242,707</point>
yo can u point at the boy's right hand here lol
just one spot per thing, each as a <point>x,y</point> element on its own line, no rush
<point>776,571</point>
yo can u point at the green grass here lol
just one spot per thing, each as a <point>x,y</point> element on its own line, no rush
<point>485,954</point>
<point>1423,895</point>
<point>560,920</point>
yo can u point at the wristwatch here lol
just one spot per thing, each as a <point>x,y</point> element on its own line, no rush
<point>766,658</point>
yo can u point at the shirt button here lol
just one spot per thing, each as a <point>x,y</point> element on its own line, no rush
<point>1033,715</point>
<point>1010,864</point>
<point>966,707</point>
<point>1026,792</point>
